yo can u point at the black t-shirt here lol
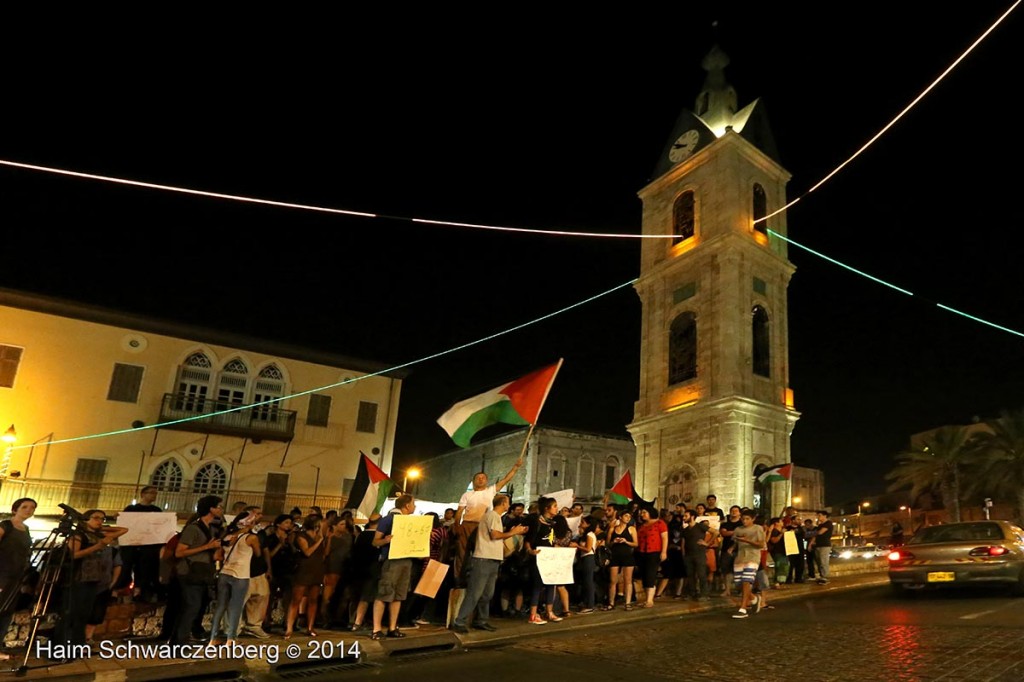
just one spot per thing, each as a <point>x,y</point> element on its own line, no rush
<point>142,508</point>
<point>675,534</point>
<point>691,536</point>
<point>364,555</point>
<point>728,542</point>
<point>258,563</point>
<point>823,539</point>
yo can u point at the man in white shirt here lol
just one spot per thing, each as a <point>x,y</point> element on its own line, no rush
<point>471,509</point>
<point>483,574</point>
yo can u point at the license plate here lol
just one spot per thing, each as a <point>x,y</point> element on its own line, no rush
<point>941,577</point>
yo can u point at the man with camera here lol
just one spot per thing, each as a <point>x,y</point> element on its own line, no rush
<point>196,553</point>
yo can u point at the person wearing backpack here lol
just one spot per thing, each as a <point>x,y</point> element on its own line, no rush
<point>196,568</point>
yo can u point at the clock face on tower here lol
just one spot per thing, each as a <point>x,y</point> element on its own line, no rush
<point>683,146</point>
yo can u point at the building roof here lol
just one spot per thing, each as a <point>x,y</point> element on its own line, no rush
<point>99,315</point>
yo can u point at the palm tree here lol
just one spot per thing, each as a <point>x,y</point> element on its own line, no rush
<point>936,466</point>
<point>1002,467</point>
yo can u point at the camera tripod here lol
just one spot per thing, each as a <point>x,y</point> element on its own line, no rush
<point>49,558</point>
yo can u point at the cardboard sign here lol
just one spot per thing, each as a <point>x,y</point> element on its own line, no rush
<point>792,546</point>
<point>410,536</point>
<point>713,521</point>
<point>565,498</point>
<point>430,581</point>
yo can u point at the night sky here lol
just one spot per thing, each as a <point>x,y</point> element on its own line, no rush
<point>549,123</point>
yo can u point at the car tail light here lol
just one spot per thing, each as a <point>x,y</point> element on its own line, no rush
<point>989,551</point>
<point>899,555</point>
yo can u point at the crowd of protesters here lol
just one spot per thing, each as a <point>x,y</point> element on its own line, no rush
<point>316,570</point>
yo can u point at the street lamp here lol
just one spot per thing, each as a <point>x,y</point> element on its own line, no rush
<point>410,473</point>
<point>860,524</point>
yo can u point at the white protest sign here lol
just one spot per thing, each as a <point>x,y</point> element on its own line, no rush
<point>555,565</point>
<point>574,524</point>
<point>713,521</point>
<point>564,497</point>
<point>147,528</point>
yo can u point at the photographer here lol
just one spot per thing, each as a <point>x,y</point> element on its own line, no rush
<point>88,591</point>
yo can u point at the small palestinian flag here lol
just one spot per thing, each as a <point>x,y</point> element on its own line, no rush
<point>623,492</point>
<point>372,486</point>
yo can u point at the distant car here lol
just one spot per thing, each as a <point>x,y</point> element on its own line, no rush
<point>959,554</point>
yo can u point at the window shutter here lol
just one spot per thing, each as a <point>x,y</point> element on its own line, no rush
<point>125,383</point>
<point>319,410</point>
<point>367,421</point>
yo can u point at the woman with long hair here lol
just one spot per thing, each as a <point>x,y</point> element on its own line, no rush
<point>240,544</point>
<point>309,575</point>
<point>623,541</point>
<point>340,536</point>
<point>15,550</point>
<point>88,591</point>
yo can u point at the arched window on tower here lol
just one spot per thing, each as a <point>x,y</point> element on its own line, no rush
<point>682,348</point>
<point>684,218</point>
<point>760,209</point>
<point>761,337</point>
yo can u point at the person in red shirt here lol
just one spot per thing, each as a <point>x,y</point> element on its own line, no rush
<point>652,549</point>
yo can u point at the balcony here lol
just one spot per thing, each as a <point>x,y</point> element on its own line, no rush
<point>256,422</point>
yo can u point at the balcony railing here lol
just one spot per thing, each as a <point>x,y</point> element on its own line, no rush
<point>257,422</point>
<point>114,497</point>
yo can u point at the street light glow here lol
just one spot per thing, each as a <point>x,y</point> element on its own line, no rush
<point>413,473</point>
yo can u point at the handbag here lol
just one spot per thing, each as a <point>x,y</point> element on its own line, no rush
<point>602,557</point>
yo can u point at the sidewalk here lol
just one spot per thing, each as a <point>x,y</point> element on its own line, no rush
<point>113,662</point>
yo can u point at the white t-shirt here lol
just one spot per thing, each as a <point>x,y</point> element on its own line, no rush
<point>477,502</point>
<point>592,543</point>
<point>486,548</point>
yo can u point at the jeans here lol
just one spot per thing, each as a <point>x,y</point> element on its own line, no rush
<point>588,566</point>
<point>697,574</point>
<point>483,574</point>
<point>822,556</point>
<point>193,598</point>
<point>231,594</point>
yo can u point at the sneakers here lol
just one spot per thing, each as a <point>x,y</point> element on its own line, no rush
<point>554,619</point>
<point>421,621</point>
<point>759,604</point>
<point>257,631</point>
<point>536,620</point>
<point>742,613</point>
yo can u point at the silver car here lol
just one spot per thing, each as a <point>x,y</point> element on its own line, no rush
<point>958,554</point>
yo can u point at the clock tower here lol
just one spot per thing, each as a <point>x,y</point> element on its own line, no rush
<point>715,403</point>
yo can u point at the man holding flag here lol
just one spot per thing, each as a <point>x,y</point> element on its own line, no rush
<point>518,402</point>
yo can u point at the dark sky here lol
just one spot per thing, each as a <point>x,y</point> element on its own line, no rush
<point>550,122</point>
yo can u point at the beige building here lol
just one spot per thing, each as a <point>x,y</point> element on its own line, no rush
<point>556,459</point>
<point>808,489</point>
<point>104,402</point>
<point>714,399</point>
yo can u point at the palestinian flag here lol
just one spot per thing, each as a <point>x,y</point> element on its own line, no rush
<point>779,472</point>
<point>518,402</point>
<point>371,488</point>
<point>623,492</point>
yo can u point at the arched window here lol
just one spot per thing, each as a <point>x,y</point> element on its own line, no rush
<point>193,385</point>
<point>683,217</point>
<point>210,479</point>
<point>762,353</point>
<point>760,209</point>
<point>167,477</point>
<point>611,472</point>
<point>269,385</point>
<point>682,348</point>
<point>233,385</point>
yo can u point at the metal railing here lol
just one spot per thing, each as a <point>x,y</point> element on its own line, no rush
<point>114,497</point>
<point>268,422</point>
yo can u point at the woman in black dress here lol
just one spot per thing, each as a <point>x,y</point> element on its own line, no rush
<point>623,542</point>
<point>309,574</point>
